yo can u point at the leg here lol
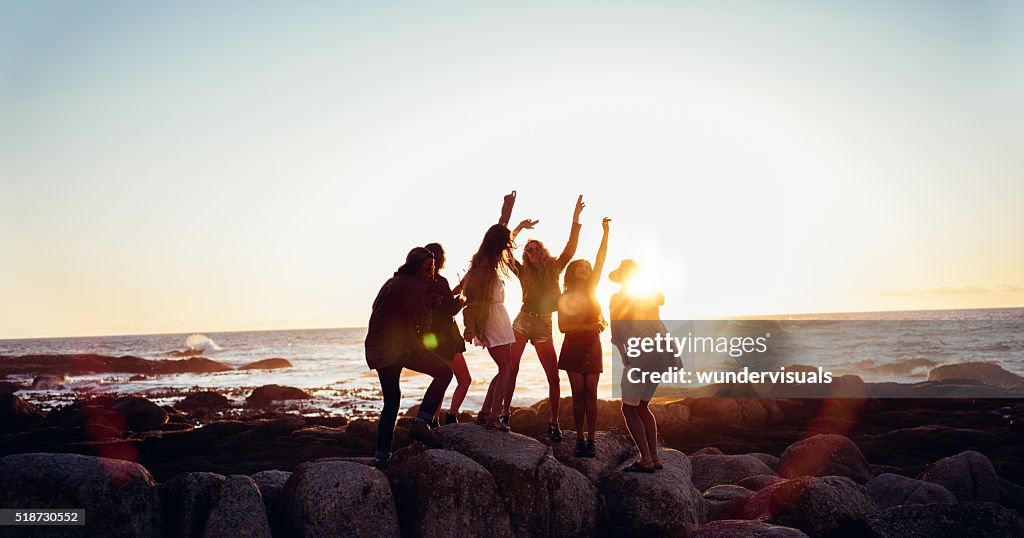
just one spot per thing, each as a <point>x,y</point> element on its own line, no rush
<point>427,362</point>
<point>650,428</point>
<point>549,360</point>
<point>591,387</point>
<point>515,356</point>
<point>495,392</point>
<point>392,397</point>
<point>462,377</point>
<point>579,405</point>
<point>636,428</point>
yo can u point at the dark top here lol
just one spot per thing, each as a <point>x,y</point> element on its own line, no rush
<point>399,316</point>
<point>443,307</point>
<point>541,296</point>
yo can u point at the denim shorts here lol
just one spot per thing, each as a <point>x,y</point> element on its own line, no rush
<point>536,327</point>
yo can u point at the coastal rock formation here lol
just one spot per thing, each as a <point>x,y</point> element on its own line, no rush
<point>969,476</point>
<point>714,469</point>
<point>988,373</point>
<point>543,497</point>
<point>139,413</point>
<point>664,503</point>
<point>267,364</point>
<point>118,496</point>
<point>339,499</point>
<point>442,492</point>
<point>726,501</point>
<point>50,369</point>
<point>965,519</point>
<point>185,503</point>
<point>760,481</point>
<point>819,506</point>
<point>733,528</point>
<point>236,509</point>
<point>825,455</point>
<point>203,401</point>
<point>17,414</point>
<point>271,484</point>
<point>48,382</point>
<point>268,394</point>
<point>889,490</point>
<point>613,448</point>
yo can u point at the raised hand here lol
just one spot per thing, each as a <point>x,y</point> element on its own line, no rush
<point>527,224</point>
<point>604,224</point>
<point>579,209</point>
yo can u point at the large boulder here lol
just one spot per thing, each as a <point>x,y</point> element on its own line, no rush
<point>17,414</point>
<point>139,413</point>
<point>663,503</point>
<point>969,475</point>
<point>988,373</point>
<point>819,506</point>
<point>747,412</point>
<point>888,490</point>
<point>734,528</point>
<point>203,401</point>
<point>714,469</point>
<point>236,509</point>
<point>673,417</point>
<point>441,493</point>
<point>267,364</point>
<point>118,496</point>
<point>726,501</point>
<point>185,503</point>
<point>271,484</point>
<point>613,448</point>
<point>952,520</point>
<point>825,455</point>
<point>759,481</point>
<point>339,499</point>
<point>543,497</point>
<point>268,394</point>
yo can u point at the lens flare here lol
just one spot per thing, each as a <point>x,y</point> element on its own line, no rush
<point>641,284</point>
<point>430,341</point>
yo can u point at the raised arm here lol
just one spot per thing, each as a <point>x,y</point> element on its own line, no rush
<point>574,235</point>
<point>506,208</point>
<point>602,253</point>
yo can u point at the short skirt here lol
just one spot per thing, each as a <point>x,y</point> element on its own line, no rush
<point>581,353</point>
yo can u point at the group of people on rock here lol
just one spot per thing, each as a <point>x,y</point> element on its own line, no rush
<point>412,326</point>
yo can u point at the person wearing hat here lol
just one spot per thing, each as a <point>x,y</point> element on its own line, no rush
<point>634,313</point>
<point>394,341</point>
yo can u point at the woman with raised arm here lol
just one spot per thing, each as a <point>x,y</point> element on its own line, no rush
<point>579,317</point>
<point>443,336</point>
<point>538,275</point>
<point>394,341</point>
<point>634,313</point>
<point>486,320</point>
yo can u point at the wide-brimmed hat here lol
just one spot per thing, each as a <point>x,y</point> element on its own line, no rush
<point>626,268</point>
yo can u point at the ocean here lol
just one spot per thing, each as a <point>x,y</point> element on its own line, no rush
<point>329,363</point>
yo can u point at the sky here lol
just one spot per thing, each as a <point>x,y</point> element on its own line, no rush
<point>205,166</point>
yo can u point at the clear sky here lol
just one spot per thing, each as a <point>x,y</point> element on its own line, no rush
<point>202,166</point>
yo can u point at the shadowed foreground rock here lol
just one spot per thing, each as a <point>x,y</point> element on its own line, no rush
<point>825,455</point>
<point>185,501</point>
<point>733,528</point>
<point>339,499</point>
<point>444,493</point>
<point>819,506</point>
<point>543,497</point>
<point>118,496</point>
<point>714,469</point>
<point>664,503</point>
<point>236,509</point>
<point>889,490</point>
<point>969,475</point>
<point>941,520</point>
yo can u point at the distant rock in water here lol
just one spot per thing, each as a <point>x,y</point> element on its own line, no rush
<point>203,400</point>
<point>989,373</point>
<point>268,394</point>
<point>51,368</point>
<point>186,353</point>
<point>267,364</point>
<point>48,382</point>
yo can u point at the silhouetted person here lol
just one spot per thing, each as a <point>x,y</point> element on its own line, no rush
<point>394,341</point>
<point>443,336</point>
<point>579,317</point>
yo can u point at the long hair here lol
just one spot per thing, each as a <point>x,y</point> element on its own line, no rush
<point>492,260</point>
<point>438,251</point>
<point>413,260</point>
<point>571,282</point>
<point>539,274</point>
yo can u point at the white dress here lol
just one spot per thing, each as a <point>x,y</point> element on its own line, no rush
<point>499,327</point>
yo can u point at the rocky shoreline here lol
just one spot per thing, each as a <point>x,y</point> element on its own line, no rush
<point>734,467</point>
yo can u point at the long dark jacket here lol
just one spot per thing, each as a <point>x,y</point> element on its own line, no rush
<point>399,317</point>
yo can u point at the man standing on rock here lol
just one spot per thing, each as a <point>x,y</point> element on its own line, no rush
<point>394,342</point>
